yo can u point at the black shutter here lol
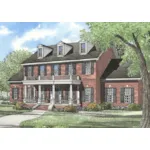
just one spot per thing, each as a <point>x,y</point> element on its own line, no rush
<point>114,95</point>
<point>106,94</point>
<point>39,70</point>
<point>92,94</point>
<point>17,93</point>
<point>25,69</point>
<point>92,67</point>
<point>59,69</point>
<point>45,70</point>
<point>52,69</point>
<point>122,90</point>
<point>132,95</point>
<point>67,69</point>
<point>74,68</point>
<point>83,67</point>
<point>12,93</point>
<point>32,69</point>
<point>83,95</point>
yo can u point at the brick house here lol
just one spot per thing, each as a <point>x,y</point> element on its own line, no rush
<point>74,73</point>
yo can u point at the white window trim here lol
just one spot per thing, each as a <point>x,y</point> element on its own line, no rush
<point>63,47</point>
<point>42,53</point>
<point>85,48</point>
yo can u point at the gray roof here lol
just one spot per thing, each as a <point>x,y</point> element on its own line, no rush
<point>72,55</point>
<point>17,77</point>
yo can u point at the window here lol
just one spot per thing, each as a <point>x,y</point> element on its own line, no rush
<point>56,69</point>
<point>83,48</point>
<point>88,94</point>
<point>42,70</point>
<point>88,68</point>
<point>60,50</point>
<point>40,52</point>
<point>110,94</point>
<point>127,95</point>
<point>30,71</point>
<point>70,69</point>
<point>15,93</point>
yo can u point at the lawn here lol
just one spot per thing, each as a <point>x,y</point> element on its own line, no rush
<point>8,110</point>
<point>103,119</point>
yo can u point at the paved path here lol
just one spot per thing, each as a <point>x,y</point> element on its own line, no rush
<point>13,121</point>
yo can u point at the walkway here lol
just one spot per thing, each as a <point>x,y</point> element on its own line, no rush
<point>13,121</point>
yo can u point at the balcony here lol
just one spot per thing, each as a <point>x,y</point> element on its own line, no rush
<point>60,79</point>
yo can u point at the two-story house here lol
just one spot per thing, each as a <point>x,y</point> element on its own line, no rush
<point>74,73</point>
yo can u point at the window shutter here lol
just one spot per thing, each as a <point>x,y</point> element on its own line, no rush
<point>74,68</point>
<point>83,67</point>
<point>25,69</point>
<point>12,93</point>
<point>39,70</point>
<point>132,95</point>
<point>114,95</point>
<point>32,73</point>
<point>17,93</point>
<point>122,95</point>
<point>92,67</point>
<point>59,69</point>
<point>67,69</point>
<point>92,94</point>
<point>83,95</point>
<point>105,94</point>
<point>52,69</point>
<point>45,70</point>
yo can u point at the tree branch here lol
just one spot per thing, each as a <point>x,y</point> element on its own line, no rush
<point>125,41</point>
<point>136,41</point>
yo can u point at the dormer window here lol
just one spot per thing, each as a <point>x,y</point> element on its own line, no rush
<point>82,47</point>
<point>40,52</point>
<point>60,50</point>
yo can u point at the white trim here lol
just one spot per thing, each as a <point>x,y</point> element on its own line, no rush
<point>85,48</point>
<point>63,61</point>
<point>120,79</point>
<point>14,81</point>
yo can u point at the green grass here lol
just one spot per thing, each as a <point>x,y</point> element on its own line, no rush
<point>8,110</point>
<point>105,119</point>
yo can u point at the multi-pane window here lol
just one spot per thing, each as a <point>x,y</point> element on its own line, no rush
<point>15,93</point>
<point>127,95</point>
<point>56,69</point>
<point>70,68</point>
<point>60,50</point>
<point>87,68</point>
<point>110,94</point>
<point>88,94</point>
<point>83,48</point>
<point>29,71</point>
<point>40,52</point>
<point>42,70</point>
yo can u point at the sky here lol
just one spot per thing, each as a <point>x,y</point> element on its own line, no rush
<point>27,35</point>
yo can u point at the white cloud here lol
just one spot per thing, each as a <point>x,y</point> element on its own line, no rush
<point>4,30</point>
<point>65,31</point>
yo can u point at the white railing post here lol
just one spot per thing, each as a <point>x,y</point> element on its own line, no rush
<point>39,77</point>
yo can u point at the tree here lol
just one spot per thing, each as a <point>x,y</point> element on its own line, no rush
<point>136,39</point>
<point>11,65</point>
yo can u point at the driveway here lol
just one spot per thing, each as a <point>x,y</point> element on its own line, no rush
<point>13,121</point>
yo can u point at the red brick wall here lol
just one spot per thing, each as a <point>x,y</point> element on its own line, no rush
<point>20,86</point>
<point>119,85</point>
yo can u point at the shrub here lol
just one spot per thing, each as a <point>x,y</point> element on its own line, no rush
<point>133,107</point>
<point>4,102</point>
<point>70,108</point>
<point>92,107</point>
<point>106,106</point>
<point>20,106</point>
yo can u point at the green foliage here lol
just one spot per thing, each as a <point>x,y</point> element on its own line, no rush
<point>20,106</point>
<point>5,102</point>
<point>70,108</point>
<point>134,107</point>
<point>103,35</point>
<point>106,106</point>
<point>10,66</point>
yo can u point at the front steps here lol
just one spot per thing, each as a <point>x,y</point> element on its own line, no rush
<point>42,107</point>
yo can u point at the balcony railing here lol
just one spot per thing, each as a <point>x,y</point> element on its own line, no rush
<point>59,77</point>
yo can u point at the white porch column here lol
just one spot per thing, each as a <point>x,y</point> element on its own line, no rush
<point>34,92</point>
<point>39,93</point>
<point>78,94</point>
<point>71,100</point>
<point>25,93</point>
<point>53,96</point>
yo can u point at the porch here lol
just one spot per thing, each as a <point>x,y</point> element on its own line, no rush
<point>54,94</point>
